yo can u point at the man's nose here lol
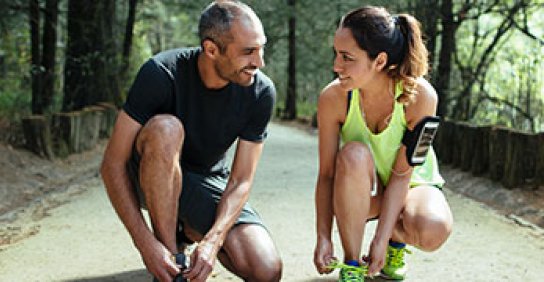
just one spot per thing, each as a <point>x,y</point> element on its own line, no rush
<point>258,59</point>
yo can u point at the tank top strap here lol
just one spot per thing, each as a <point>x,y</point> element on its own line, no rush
<point>399,88</point>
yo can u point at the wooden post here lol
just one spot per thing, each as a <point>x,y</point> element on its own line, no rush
<point>480,159</point>
<point>498,143</point>
<point>90,126</point>
<point>539,170</point>
<point>443,142</point>
<point>458,141</point>
<point>466,146</point>
<point>529,159</point>
<point>66,127</point>
<point>38,135</point>
<point>109,114</point>
<point>520,165</point>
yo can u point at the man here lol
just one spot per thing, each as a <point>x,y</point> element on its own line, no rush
<point>185,108</point>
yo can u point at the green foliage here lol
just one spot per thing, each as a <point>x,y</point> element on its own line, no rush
<point>14,67</point>
<point>508,90</point>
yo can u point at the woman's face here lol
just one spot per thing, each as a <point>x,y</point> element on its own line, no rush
<point>351,63</point>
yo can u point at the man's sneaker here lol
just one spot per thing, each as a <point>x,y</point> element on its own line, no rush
<point>349,273</point>
<point>395,268</point>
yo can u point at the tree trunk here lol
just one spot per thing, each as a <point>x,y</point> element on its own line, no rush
<point>38,135</point>
<point>35,69</point>
<point>127,44</point>
<point>425,12</point>
<point>90,68</point>
<point>111,61</point>
<point>77,67</point>
<point>291,100</point>
<point>49,52</point>
<point>445,57</point>
<point>129,31</point>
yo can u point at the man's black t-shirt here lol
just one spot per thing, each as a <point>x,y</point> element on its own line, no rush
<point>213,119</point>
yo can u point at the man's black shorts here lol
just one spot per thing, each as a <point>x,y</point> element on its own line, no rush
<point>200,196</point>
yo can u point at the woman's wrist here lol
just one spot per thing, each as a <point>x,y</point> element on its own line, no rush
<point>323,236</point>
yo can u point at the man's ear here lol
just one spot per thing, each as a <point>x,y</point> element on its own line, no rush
<point>210,48</point>
<point>380,61</point>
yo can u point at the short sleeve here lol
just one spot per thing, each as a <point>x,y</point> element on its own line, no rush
<point>256,129</point>
<point>150,92</point>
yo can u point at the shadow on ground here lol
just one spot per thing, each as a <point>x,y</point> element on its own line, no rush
<point>143,276</point>
<point>133,276</point>
<point>333,278</point>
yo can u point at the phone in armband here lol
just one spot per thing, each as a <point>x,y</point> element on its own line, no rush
<point>419,141</point>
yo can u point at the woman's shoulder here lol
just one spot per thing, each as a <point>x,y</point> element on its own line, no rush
<point>425,91</point>
<point>333,100</point>
<point>333,90</point>
<point>425,102</point>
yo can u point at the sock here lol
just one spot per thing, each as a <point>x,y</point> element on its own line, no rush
<point>352,262</point>
<point>396,245</point>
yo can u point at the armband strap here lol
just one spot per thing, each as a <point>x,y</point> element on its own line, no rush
<point>419,140</point>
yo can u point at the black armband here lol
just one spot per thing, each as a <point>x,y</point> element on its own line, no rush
<point>419,140</point>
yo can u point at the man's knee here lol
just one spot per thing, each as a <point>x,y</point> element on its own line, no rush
<point>162,132</point>
<point>269,269</point>
<point>253,254</point>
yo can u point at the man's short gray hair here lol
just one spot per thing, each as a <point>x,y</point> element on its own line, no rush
<point>216,21</point>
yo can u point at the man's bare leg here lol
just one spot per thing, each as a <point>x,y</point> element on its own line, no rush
<point>159,144</point>
<point>248,252</point>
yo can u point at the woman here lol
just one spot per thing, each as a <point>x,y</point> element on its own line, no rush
<point>380,93</point>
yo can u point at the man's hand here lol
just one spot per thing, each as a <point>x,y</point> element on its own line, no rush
<point>158,261</point>
<point>202,262</point>
<point>323,256</point>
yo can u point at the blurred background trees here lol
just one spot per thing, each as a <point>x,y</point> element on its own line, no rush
<point>61,55</point>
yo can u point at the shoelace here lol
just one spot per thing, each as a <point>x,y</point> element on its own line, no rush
<point>349,273</point>
<point>396,256</point>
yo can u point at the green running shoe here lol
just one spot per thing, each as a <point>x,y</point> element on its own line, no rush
<point>395,268</point>
<point>350,273</point>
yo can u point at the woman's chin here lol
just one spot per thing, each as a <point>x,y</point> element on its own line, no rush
<point>344,84</point>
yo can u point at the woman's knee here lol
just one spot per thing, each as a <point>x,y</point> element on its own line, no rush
<point>161,132</point>
<point>354,155</point>
<point>432,232</point>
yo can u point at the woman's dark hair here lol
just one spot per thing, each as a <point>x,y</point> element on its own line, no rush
<point>399,36</point>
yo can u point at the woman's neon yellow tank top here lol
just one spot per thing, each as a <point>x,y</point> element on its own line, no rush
<point>385,145</point>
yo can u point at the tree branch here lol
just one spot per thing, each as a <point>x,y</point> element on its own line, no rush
<point>501,101</point>
<point>525,30</point>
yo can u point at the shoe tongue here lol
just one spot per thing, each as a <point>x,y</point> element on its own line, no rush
<point>352,263</point>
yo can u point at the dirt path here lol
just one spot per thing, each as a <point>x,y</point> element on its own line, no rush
<point>82,239</point>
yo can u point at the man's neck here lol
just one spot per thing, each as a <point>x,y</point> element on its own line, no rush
<point>208,74</point>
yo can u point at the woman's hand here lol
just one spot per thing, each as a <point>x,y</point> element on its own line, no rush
<point>323,256</point>
<point>376,255</point>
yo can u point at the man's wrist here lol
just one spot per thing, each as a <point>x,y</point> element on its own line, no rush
<point>142,239</point>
